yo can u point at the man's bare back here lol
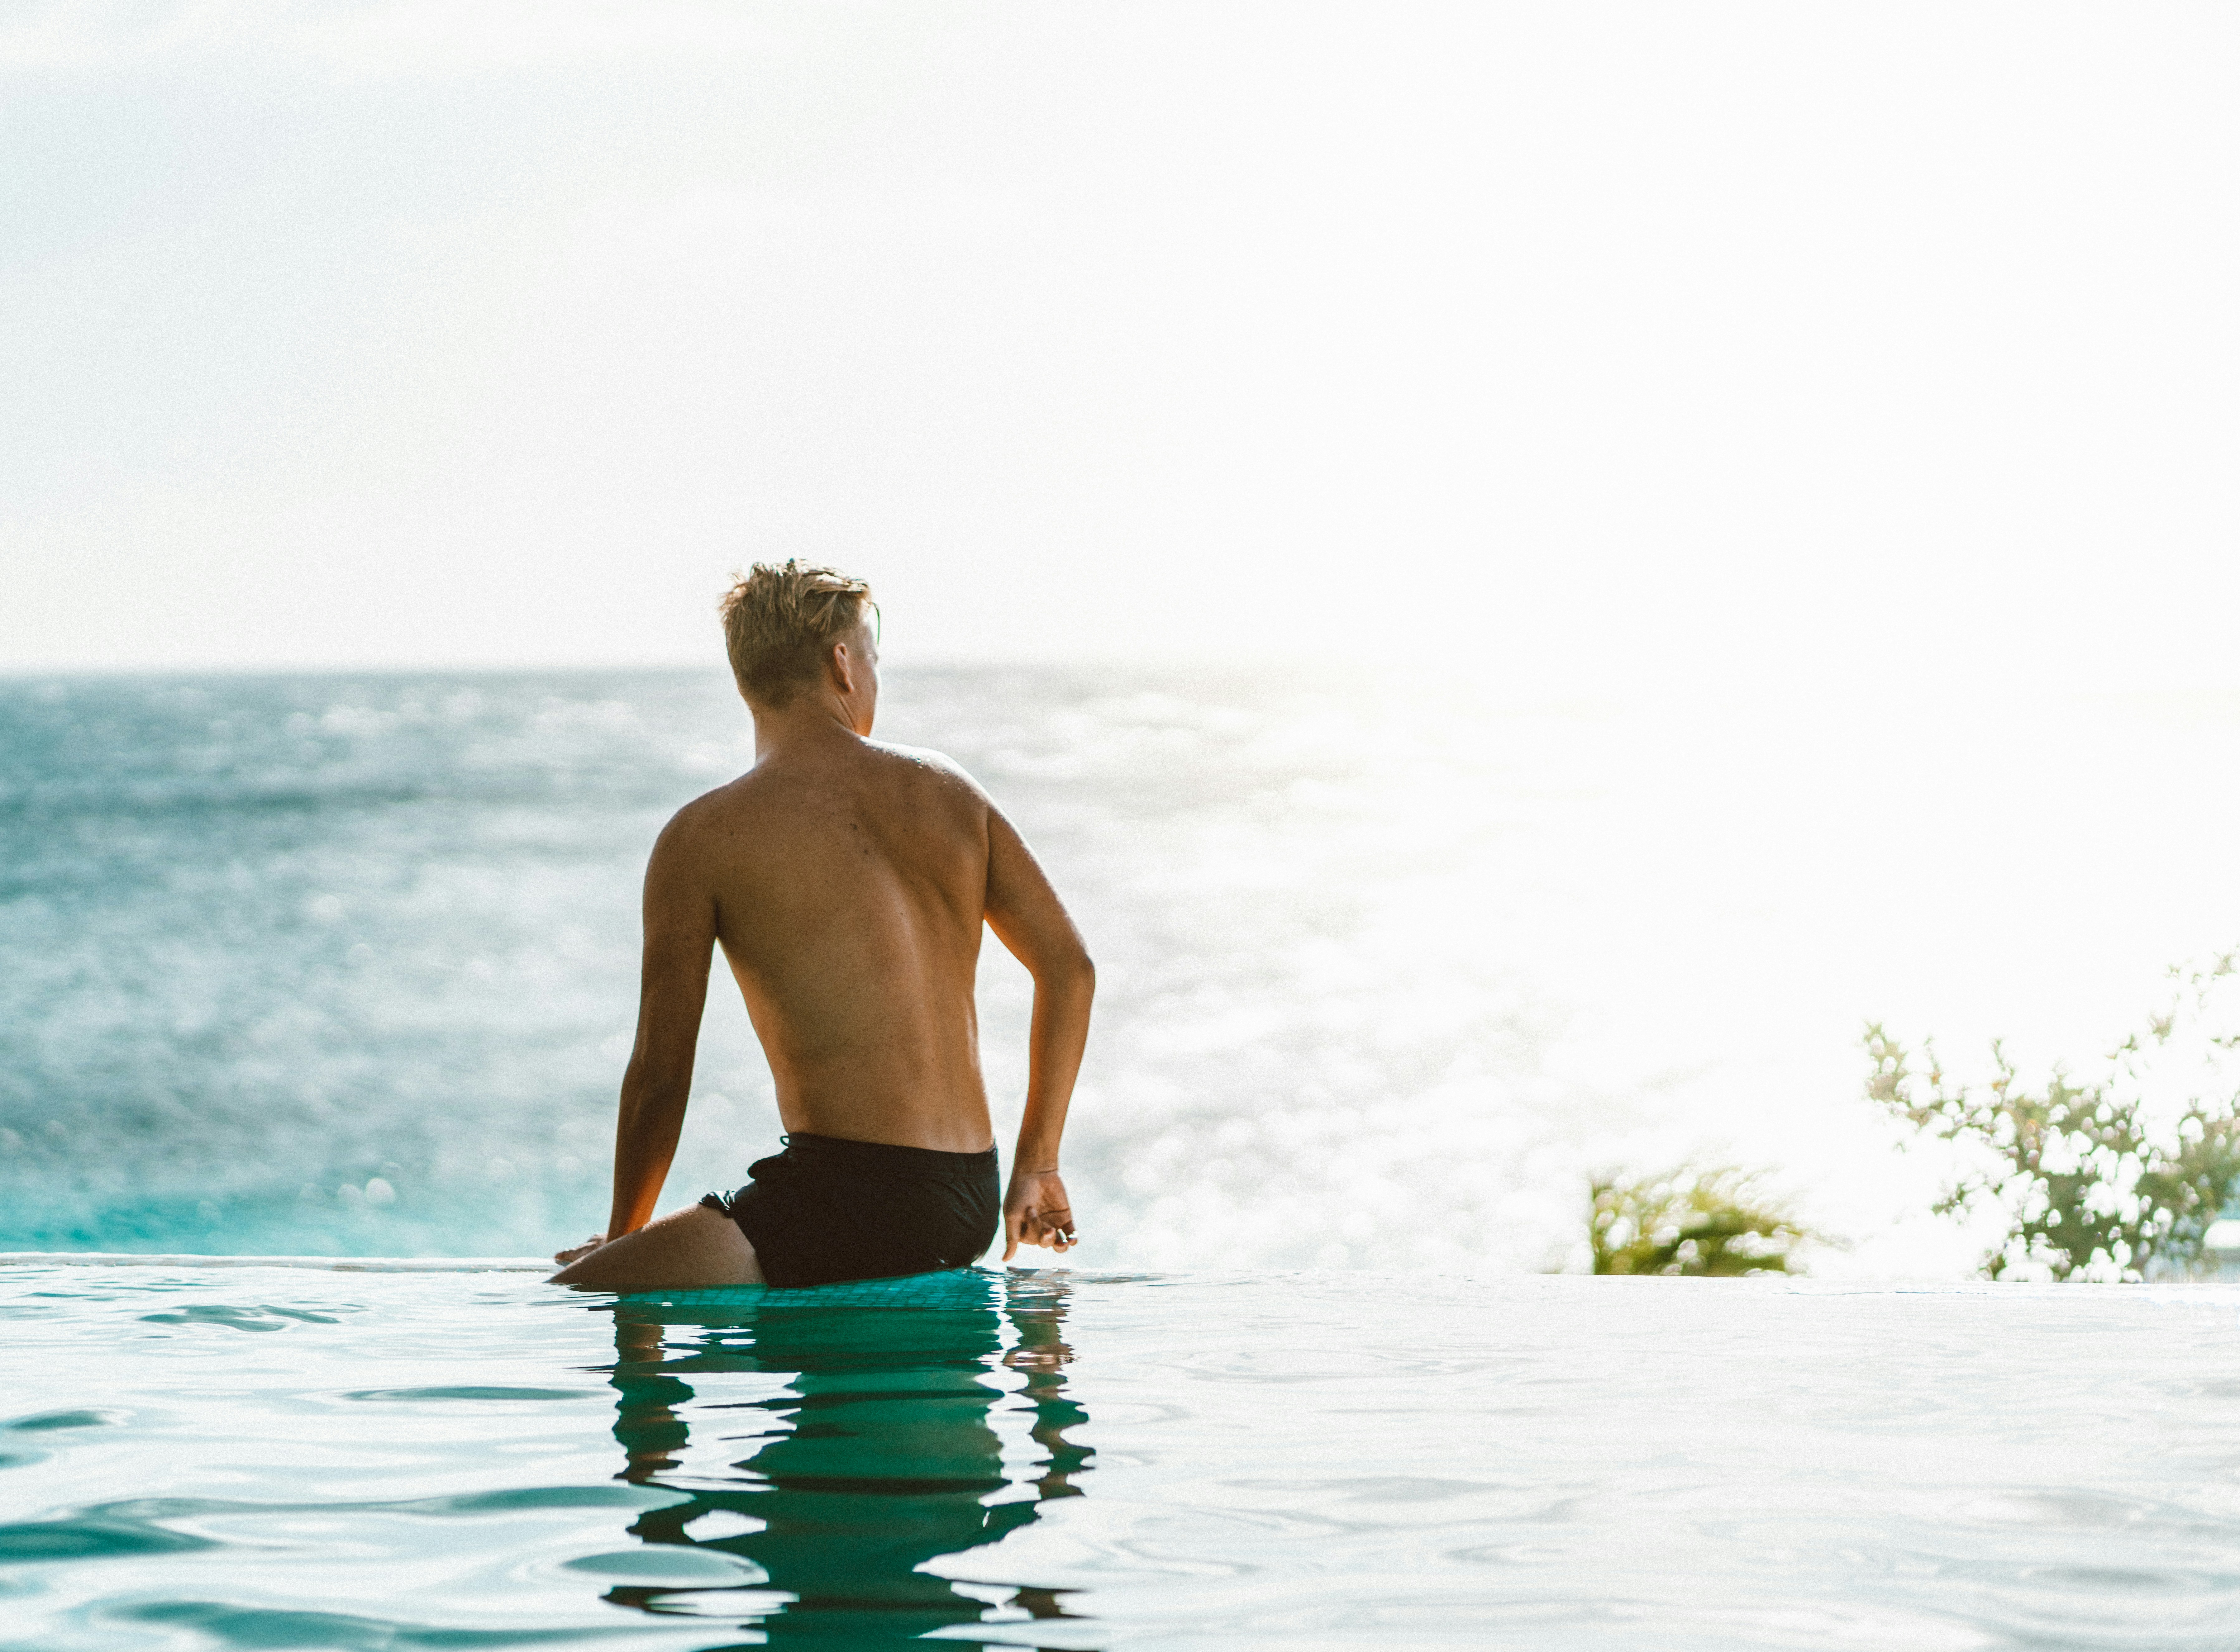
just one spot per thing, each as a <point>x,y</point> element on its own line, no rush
<point>849,883</point>
<point>846,882</point>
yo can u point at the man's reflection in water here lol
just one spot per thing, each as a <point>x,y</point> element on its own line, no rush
<point>890,1459</point>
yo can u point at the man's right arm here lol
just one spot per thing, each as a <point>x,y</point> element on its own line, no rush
<point>680,937</point>
<point>1033,925</point>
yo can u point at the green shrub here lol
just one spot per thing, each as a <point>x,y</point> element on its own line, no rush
<point>1695,1223</point>
<point>2116,1179</point>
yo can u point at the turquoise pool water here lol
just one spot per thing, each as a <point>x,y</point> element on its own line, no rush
<point>201,1456</point>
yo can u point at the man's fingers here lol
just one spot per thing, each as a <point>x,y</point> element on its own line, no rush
<point>573,1252</point>
<point>1033,1224</point>
<point>1052,1230</point>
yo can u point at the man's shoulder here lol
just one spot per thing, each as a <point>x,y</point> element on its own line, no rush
<point>936,767</point>
<point>770,792</point>
<point>710,810</point>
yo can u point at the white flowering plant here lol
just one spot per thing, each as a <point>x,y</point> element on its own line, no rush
<point>2117,1178</point>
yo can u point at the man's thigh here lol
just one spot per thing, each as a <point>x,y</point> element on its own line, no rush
<point>687,1249</point>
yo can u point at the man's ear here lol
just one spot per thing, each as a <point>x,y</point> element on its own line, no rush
<point>842,664</point>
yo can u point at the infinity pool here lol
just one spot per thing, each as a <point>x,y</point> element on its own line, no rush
<point>201,1455</point>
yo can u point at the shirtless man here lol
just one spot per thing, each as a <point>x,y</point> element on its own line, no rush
<point>846,881</point>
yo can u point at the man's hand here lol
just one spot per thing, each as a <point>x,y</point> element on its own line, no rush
<point>563,1257</point>
<point>1035,1213</point>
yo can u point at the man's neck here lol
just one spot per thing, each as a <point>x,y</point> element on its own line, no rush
<point>810,722</point>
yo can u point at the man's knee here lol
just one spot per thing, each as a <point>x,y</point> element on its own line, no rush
<point>688,1250</point>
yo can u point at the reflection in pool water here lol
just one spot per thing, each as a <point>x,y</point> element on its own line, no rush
<point>880,1453</point>
<point>208,1458</point>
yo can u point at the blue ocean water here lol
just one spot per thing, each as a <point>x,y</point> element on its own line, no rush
<point>268,940</point>
<point>346,965</point>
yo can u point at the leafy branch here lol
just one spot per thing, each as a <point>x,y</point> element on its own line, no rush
<point>1717,1222</point>
<point>2109,1180</point>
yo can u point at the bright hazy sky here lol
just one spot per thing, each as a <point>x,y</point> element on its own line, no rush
<point>1581,343</point>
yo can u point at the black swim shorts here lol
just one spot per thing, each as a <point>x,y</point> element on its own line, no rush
<point>828,1210</point>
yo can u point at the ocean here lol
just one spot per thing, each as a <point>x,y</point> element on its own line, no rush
<point>345,964</point>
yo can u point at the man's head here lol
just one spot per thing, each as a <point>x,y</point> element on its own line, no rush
<point>782,623</point>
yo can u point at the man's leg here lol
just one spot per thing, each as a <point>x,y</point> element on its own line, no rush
<point>687,1249</point>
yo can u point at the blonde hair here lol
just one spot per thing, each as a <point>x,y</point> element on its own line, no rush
<point>780,621</point>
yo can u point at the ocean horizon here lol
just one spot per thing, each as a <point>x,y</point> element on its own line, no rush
<point>344,963</point>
